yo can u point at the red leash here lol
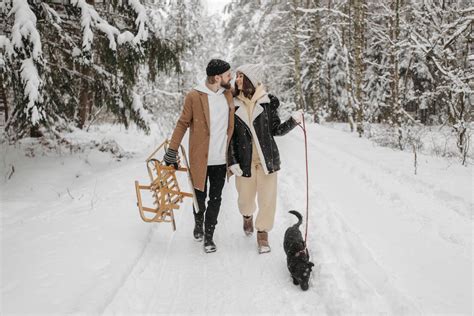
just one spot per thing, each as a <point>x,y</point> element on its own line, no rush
<point>307,183</point>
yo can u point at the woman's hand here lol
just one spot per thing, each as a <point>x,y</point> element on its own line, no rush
<point>297,116</point>
<point>235,169</point>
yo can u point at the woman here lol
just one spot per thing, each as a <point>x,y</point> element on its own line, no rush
<point>253,154</point>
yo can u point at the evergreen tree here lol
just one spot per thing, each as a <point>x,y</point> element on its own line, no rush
<point>197,41</point>
<point>70,61</point>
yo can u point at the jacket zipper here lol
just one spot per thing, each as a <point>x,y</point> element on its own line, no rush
<point>271,138</point>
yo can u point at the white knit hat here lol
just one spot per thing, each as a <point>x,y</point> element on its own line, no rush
<point>252,71</point>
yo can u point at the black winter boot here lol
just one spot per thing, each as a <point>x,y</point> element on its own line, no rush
<point>198,231</point>
<point>209,245</point>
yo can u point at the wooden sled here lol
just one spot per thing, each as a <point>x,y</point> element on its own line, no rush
<point>164,188</point>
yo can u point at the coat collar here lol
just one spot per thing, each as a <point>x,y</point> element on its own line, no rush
<point>262,97</point>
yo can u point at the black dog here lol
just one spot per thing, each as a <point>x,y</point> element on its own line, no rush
<point>297,257</point>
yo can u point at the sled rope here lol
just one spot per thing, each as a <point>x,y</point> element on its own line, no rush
<point>307,183</point>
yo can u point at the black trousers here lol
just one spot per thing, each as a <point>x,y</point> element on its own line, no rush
<point>216,176</point>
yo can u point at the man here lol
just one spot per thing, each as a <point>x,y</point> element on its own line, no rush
<point>208,112</point>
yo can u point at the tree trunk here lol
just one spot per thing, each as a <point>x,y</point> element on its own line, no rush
<point>84,98</point>
<point>314,65</point>
<point>394,32</point>
<point>358,64</point>
<point>347,44</point>
<point>85,95</point>
<point>3,99</point>
<point>297,58</point>
<point>180,37</point>
<point>329,72</point>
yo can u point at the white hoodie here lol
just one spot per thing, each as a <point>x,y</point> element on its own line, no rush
<point>219,121</point>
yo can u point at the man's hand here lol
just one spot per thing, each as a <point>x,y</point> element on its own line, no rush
<point>171,158</point>
<point>235,169</point>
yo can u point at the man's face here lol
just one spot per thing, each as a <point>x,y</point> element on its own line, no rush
<point>225,79</point>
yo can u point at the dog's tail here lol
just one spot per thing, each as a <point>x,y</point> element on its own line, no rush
<point>297,214</point>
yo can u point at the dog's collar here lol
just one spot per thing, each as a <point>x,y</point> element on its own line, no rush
<point>302,252</point>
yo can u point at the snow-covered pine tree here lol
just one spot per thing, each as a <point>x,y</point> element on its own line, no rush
<point>334,60</point>
<point>5,53</point>
<point>265,32</point>
<point>27,64</point>
<point>377,84</point>
<point>82,58</point>
<point>312,43</point>
<point>441,35</point>
<point>245,30</point>
<point>296,56</point>
<point>197,41</point>
<point>351,15</point>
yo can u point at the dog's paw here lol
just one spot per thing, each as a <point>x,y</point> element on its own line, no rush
<point>305,286</point>
<point>295,281</point>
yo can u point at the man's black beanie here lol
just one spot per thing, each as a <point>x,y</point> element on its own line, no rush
<point>217,67</point>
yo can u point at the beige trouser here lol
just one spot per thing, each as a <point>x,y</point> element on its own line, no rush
<point>262,186</point>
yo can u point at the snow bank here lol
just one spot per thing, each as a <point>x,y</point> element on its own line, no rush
<point>437,141</point>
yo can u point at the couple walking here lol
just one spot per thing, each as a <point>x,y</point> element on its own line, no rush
<point>231,133</point>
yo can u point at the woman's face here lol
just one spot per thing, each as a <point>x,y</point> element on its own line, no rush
<point>239,80</point>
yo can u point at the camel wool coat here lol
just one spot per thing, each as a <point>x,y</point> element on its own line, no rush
<point>195,116</point>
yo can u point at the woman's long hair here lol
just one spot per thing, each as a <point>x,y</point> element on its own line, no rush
<point>247,88</point>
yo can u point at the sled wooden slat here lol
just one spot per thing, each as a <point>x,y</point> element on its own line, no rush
<point>164,188</point>
<point>151,210</point>
<point>177,200</point>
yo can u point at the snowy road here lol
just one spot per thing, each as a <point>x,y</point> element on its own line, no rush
<point>383,240</point>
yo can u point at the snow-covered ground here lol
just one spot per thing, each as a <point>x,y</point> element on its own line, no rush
<point>383,239</point>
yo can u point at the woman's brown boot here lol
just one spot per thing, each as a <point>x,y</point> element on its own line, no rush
<point>262,241</point>
<point>248,225</point>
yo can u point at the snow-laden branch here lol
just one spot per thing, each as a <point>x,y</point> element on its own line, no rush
<point>32,84</point>
<point>26,42</point>
<point>319,10</point>
<point>140,21</point>
<point>467,23</point>
<point>24,29</point>
<point>137,106</point>
<point>468,10</point>
<point>172,94</point>
<point>51,14</point>
<point>5,50</point>
<point>460,86</point>
<point>90,18</point>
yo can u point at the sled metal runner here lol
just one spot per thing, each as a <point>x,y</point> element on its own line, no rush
<point>164,188</point>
